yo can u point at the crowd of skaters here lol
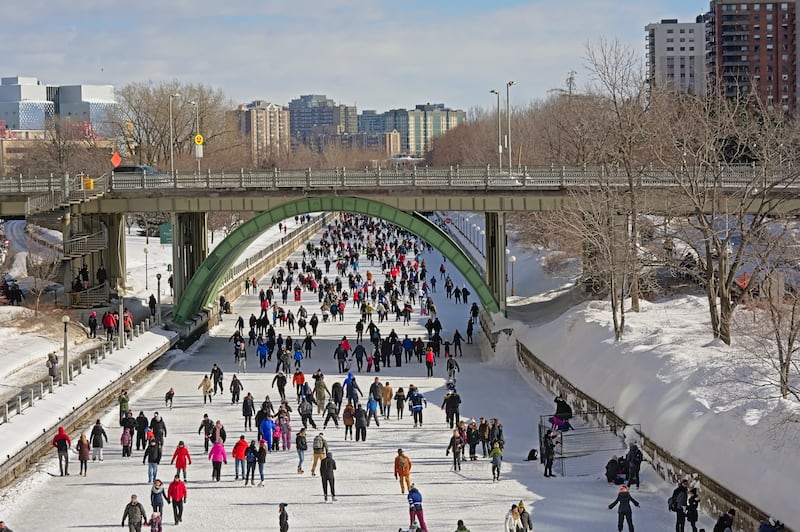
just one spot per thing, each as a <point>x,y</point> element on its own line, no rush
<point>397,291</point>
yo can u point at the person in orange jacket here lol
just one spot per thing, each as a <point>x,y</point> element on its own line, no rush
<point>181,459</point>
<point>62,442</point>
<point>402,470</point>
<point>239,455</point>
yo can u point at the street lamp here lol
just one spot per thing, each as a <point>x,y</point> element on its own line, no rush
<point>499,134</point>
<point>197,132</point>
<point>512,259</point>
<point>475,234</point>
<point>508,115</point>
<point>172,137</point>
<point>483,241</point>
<point>65,378</point>
<point>158,306</point>
<point>146,251</point>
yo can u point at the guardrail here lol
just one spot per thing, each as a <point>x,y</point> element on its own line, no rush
<point>83,244</point>
<point>16,465</point>
<point>485,177</point>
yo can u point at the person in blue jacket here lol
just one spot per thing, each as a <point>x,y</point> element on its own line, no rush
<point>770,525</point>
<point>352,391</point>
<point>372,410</point>
<point>417,402</point>
<point>266,428</point>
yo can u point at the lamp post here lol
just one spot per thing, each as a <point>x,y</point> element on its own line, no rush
<point>499,134</point>
<point>172,137</point>
<point>158,305</point>
<point>512,259</point>
<point>197,132</point>
<point>65,378</point>
<point>483,242</point>
<point>475,234</point>
<point>146,251</point>
<point>508,116</point>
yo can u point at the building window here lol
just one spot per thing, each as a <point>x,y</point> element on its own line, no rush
<point>756,7</point>
<point>670,39</point>
<point>784,6</point>
<point>769,7</point>
<point>670,49</point>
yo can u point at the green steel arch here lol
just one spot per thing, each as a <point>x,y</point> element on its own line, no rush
<point>203,286</point>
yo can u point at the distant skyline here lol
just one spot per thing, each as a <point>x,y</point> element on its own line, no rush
<point>374,54</point>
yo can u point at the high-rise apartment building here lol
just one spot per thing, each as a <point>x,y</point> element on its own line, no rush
<point>419,126</point>
<point>676,55</point>
<point>266,126</point>
<point>752,46</point>
<point>316,120</point>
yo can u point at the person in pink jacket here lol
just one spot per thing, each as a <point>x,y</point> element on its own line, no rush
<point>218,456</point>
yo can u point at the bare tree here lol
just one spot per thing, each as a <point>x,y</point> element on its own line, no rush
<point>44,270</point>
<point>727,157</point>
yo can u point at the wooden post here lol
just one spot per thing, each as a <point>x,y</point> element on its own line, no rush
<point>31,396</point>
<point>5,412</point>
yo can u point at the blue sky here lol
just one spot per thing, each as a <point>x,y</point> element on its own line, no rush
<point>377,54</point>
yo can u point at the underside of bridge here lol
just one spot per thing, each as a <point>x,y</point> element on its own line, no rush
<point>203,283</point>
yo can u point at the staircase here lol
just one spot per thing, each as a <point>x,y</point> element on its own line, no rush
<point>96,296</point>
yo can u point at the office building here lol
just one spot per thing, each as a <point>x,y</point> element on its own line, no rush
<point>24,104</point>
<point>676,58</point>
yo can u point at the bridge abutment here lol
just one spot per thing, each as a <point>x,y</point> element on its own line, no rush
<point>189,247</point>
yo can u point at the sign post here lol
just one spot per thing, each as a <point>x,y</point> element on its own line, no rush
<point>198,150</point>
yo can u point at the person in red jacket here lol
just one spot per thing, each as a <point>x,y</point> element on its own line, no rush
<point>110,324</point>
<point>176,494</point>
<point>181,459</point>
<point>62,442</point>
<point>239,455</point>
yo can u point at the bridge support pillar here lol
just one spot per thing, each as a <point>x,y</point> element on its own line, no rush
<point>495,246</point>
<point>115,260</point>
<point>189,248</point>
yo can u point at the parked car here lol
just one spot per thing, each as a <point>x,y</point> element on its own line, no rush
<point>151,177</point>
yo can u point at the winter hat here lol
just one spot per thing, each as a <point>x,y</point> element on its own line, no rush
<point>623,488</point>
<point>263,441</point>
<point>520,504</point>
<point>283,505</point>
<point>94,314</point>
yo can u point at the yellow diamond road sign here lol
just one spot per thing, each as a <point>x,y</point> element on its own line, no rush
<point>198,139</point>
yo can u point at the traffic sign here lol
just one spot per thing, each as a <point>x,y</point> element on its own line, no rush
<point>448,220</point>
<point>198,139</point>
<point>116,159</point>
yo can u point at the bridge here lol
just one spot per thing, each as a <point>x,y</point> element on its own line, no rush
<point>93,207</point>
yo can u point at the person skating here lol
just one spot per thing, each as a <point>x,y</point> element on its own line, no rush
<point>301,445</point>
<point>206,386</point>
<point>169,398</point>
<point>417,402</point>
<point>96,438</point>
<point>693,501</point>
<point>155,523</point>
<point>400,402</point>
<point>83,447</point>
<point>624,512</point>
<point>320,448</point>
<point>415,511</point>
<point>372,411</point>
<point>159,429</point>
<point>496,455</point>
<point>450,405</point>
<point>142,423</point>
<point>634,458</point>
<point>251,459</point>
<point>402,470</point>
<point>181,459</point>
<point>238,454</point>
<point>349,419</point>
<point>206,428</point>
<point>235,387</point>
<point>513,522</point>
<point>361,423</point>
<point>176,495</point>
<point>326,468</point>
<point>455,445</point>
<point>217,456</point>
<point>280,380</point>
<point>283,518</point>
<point>216,377</point>
<point>524,516</point>
<point>261,459</point>
<point>157,495</point>
<point>62,443</point>
<point>248,410</point>
<point>135,514</point>
<point>331,414</point>
<point>152,455</point>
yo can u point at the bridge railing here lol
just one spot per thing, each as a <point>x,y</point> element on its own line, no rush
<point>485,177</point>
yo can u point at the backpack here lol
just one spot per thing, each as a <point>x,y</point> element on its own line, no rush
<point>672,503</point>
<point>533,455</point>
<point>319,443</point>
